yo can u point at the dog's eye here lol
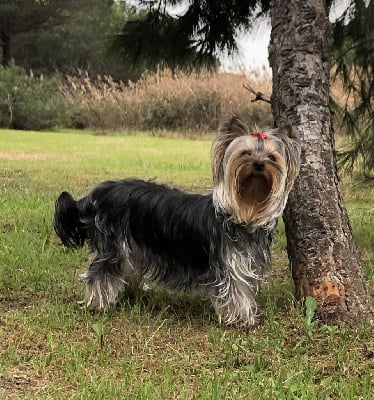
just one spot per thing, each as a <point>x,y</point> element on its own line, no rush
<point>271,158</point>
<point>246,153</point>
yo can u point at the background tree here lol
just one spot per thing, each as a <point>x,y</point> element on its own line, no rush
<point>27,15</point>
<point>323,257</point>
<point>66,36</point>
<point>80,41</point>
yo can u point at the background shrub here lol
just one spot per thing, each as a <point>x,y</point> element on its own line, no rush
<point>193,102</point>
<point>28,102</point>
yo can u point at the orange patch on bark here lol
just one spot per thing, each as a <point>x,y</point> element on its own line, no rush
<point>326,290</point>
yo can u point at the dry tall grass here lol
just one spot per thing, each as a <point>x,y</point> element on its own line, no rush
<point>179,101</point>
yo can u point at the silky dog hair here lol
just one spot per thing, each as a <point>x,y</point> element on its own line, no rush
<point>146,234</point>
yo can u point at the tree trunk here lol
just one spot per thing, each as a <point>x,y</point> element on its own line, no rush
<point>324,260</point>
<point>7,49</point>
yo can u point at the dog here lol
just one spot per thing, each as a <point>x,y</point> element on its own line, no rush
<point>150,235</point>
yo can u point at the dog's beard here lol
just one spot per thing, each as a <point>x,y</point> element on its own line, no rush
<point>249,196</point>
<point>256,195</point>
<point>252,188</point>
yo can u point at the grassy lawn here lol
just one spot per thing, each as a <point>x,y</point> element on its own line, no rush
<point>158,346</point>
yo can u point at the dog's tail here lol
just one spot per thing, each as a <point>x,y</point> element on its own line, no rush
<point>67,221</point>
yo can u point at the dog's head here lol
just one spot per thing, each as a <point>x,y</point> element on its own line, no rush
<point>253,172</point>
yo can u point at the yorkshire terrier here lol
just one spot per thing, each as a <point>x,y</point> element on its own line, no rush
<point>147,234</point>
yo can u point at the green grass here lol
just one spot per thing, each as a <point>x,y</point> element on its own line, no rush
<point>157,346</point>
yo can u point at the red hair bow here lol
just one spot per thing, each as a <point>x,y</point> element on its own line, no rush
<point>261,135</point>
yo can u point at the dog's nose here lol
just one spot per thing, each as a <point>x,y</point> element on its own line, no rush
<point>258,166</point>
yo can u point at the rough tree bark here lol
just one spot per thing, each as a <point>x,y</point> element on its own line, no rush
<point>324,260</point>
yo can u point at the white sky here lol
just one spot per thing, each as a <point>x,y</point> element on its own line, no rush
<point>253,51</point>
<point>253,47</point>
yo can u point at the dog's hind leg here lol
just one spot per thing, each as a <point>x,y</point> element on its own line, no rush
<point>104,281</point>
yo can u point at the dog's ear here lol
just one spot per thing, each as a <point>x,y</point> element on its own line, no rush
<point>229,129</point>
<point>288,131</point>
<point>233,126</point>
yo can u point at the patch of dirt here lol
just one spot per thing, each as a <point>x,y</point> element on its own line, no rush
<point>7,173</point>
<point>15,301</point>
<point>16,386</point>
<point>53,240</point>
<point>6,226</point>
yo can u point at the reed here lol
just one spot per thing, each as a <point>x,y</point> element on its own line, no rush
<point>166,100</point>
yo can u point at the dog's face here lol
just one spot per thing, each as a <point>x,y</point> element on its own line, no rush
<point>255,169</point>
<point>253,172</point>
